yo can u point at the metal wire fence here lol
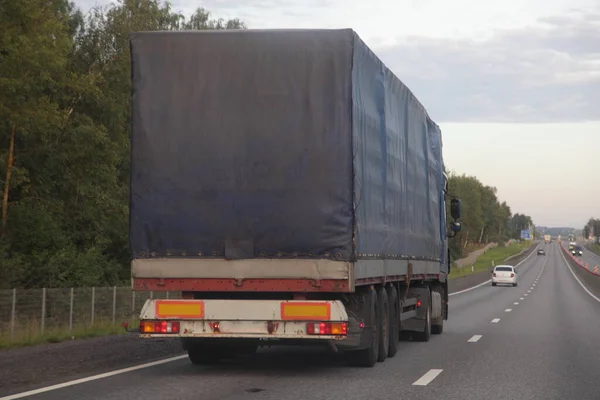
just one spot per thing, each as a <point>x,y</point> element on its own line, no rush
<point>27,313</point>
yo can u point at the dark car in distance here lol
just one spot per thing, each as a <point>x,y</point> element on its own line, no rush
<point>541,252</point>
<point>577,250</point>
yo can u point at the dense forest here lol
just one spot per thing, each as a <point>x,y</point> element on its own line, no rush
<point>64,143</point>
<point>484,218</point>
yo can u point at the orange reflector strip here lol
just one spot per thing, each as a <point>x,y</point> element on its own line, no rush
<point>339,329</point>
<point>179,309</point>
<point>305,311</point>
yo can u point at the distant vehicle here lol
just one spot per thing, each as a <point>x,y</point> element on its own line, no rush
<point>541,252</point>
<point>572,245</point>
<point>547,238</point>
<point>577,250</point>
<point>504,275</point>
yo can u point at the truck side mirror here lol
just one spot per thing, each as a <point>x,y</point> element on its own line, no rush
<point>455,208</point>
<point>456,227</point>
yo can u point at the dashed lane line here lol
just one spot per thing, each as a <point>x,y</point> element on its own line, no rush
<point>428,377</point>
<point>475,338</point>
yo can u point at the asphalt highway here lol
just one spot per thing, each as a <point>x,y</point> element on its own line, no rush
<point>531,342</point>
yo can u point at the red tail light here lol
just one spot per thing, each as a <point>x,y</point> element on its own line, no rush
<point>159,327</point>
<point>327,328</point>
<point>418,303</point>
<point>512,275</point>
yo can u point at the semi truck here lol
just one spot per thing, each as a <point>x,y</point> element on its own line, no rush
<point>293,191</point>
<point>547,238</point>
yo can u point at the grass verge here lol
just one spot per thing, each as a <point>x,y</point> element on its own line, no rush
<point>594,248</point>
<point>29,338</point>
<point>495,256</point>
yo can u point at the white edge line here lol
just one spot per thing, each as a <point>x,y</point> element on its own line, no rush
<point>576,278</point>
<point>91,378</point>
<point>428,377</point>
<point>489,280</point>
<point>508,310</point>
<point>495,320</point>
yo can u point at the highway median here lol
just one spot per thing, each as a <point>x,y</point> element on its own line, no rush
<point>589,275</point>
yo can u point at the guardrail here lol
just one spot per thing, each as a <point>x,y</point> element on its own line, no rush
<point>592,269</point>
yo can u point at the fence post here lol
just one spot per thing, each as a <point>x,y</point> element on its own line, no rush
<point>13,313</point>
<point>114,310</point>
<point>167,295</point>
<point>71,310</point>
<point>43,310</point>
<point>93,305</point>
<point>151,294</point>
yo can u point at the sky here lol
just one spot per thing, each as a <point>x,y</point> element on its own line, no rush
<point>514,85</point>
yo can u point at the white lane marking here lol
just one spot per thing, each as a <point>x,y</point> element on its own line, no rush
<point>495,320</point>
<point>467,290</point>
<point>427,378</point>
<point>576,278</point>
<point>475,338</point>
<point>508,310</point>
<point>521,298</point>
<point>529,291</point>
<point>523,295</point>
<point>488,281</point>
<point>516,303</point>
<point>91,378</point>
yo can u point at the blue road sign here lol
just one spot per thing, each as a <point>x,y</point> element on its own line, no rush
<point>525,235</point>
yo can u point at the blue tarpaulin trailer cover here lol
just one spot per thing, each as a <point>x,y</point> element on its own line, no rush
<point>279,143</point>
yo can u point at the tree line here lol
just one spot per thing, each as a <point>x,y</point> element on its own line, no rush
<point>64,142</point>
<point>484,218</point>
<point>592,228</point>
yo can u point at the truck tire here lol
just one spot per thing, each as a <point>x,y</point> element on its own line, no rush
<point>425,335</point>
<point>368,357</point>
<point>437,327</point>
<point>394,321</point>
<point>384,323</point>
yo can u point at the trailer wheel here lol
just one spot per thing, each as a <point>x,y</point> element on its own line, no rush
<point>368,357</point>
<point>437,326</point>
<point>426,334</point>
<point>384,323</point>
<point>394,321</point>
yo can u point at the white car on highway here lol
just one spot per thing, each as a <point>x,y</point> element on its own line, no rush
<point>504,275</point>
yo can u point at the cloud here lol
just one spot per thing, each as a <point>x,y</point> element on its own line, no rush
<point>544,73</point>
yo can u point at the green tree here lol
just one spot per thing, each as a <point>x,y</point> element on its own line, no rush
<point>64,136</point>
<point>485,218</point>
